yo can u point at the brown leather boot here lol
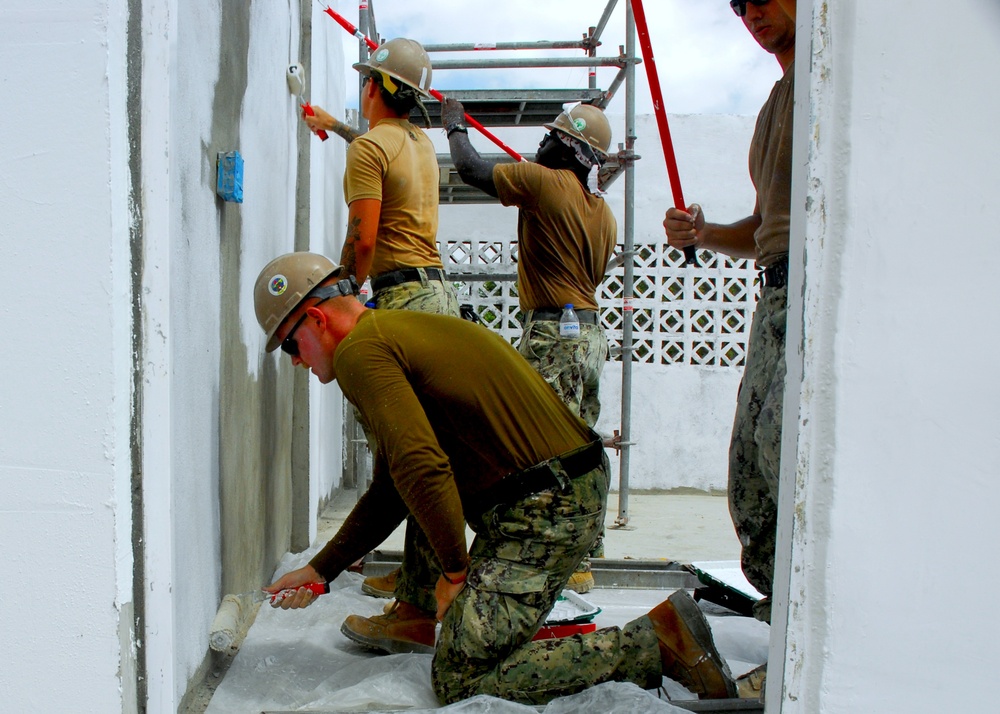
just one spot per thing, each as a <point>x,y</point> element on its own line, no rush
<point>687,651</point>
<point>752,684</point>
<point>404,628</point>
<point>380,586</point>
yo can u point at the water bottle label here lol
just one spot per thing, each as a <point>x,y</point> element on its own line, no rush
<point>569,329</point>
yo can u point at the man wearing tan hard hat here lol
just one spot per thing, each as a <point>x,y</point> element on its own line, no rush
<point>391,188</point>
<point>492,445</point>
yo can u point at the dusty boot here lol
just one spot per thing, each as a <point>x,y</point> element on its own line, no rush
<point>405,628</point>
<point>687,650</point>
<point>582,581</point>
<point>751,684</point>
<point>380,586</point>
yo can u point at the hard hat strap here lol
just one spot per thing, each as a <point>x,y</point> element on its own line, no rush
<point>341,288</point>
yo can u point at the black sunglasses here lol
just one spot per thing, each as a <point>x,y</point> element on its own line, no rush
<point>288,345</point>
<point>740,6</point>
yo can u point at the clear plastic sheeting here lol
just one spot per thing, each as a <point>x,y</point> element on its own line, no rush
<point>297,660</point>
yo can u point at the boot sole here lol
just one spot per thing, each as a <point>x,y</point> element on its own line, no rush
<point>375,592</point>
<point>385,644</point>
<point>694,618</point>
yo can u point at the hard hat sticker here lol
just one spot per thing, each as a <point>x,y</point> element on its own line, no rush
<point>381,55</point>
<point>277,285</point>
<point>580,124</point>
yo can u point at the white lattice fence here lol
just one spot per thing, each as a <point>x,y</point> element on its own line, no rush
<point>681,315</point>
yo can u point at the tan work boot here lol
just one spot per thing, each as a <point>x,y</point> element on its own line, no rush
<point>380,586</point>
<point>581,582</point>
<point>405,628</point>
<point>687,651</point>
<point>751,684</point>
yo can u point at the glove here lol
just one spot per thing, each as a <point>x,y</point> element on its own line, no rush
<point>452,111</point>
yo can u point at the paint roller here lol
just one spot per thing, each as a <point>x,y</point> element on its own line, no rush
<point>296,78</point>
<point>237,612</point>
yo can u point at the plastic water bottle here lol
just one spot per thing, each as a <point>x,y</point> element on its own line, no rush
<point>569,323</point>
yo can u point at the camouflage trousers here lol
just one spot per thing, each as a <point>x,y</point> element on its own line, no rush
<point>420,295</point>
<point>755,448</point>
<point>520,560</point>
<point>572,367</point>
<point>415,585</point>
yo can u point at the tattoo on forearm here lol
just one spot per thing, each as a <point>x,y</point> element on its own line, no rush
<point>344,131</point>
<point>349,258</point>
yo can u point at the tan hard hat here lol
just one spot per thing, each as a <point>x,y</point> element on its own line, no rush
<point>283,284</point>
<point>402,60</point>
<point>586,123</point>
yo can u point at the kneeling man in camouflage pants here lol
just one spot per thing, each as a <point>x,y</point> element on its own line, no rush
<point>468,430</point>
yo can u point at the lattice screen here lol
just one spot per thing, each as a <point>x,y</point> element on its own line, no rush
<point>681,315</point>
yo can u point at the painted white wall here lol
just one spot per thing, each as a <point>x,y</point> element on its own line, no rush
<point>64,390</point>
<point>895,487</point>
<point>682,434</point>
<point>65,220</point>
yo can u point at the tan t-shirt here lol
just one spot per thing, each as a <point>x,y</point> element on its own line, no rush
<point>446,432</point>
<point>395,163</point>
<point>771,170</point>
<point>565,235</point>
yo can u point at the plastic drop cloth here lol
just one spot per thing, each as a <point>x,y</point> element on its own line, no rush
<point>297,660</point>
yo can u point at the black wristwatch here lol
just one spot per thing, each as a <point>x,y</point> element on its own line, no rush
<point>453,127</point>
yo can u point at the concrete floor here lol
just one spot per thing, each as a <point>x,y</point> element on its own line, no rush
<point>300,661</point>
<point>684,527</point>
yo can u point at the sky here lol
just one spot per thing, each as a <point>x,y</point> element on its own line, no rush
<point>706,60</point>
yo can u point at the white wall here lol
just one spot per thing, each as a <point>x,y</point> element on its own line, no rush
<point>682,434</point>
<point>64,390</point>
<point>95,233</point>
<point>893,554</point>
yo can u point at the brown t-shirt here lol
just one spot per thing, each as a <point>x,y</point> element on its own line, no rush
<point>565,235</point>
<point>395,163</point>
<point>445,432</point>
<point>771,170</point>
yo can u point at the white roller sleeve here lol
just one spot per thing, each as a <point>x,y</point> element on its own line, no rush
<point>230,622</point>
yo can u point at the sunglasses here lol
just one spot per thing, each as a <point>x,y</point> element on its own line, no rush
<point>740,6</point>
<point>288,345</point>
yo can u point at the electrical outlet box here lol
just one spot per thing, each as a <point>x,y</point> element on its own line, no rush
<point>229,179</point>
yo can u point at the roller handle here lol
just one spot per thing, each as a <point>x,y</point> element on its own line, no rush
<point>315,588</point>
<point>321,133</point>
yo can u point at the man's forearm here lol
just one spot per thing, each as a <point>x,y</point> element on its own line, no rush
<point>733,239</point>
<point>345,131</point>
<point>473,169</point>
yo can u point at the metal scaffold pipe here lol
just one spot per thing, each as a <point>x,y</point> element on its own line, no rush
<point>628,278</point>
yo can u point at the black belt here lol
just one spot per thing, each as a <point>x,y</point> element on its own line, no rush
<point>775,276</point>
<point>551,473</point>
<point>585,316</point>
<point>405,275</point>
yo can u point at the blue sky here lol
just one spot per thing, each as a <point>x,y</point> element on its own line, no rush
<point>706,60</point>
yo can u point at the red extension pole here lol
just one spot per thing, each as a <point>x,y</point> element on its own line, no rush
<point>343,22</point>
<point>690,257</point>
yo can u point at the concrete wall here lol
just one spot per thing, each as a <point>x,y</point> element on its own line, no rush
<point>893,496</point>
<point>682,433</point>
<point>146,458</point>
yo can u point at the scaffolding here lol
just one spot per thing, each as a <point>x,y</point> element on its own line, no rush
<point>531,108</point>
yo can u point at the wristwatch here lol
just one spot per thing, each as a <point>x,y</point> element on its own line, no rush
<point>455,126</point>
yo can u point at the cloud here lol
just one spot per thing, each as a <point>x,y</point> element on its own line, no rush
<point>706,60</point>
